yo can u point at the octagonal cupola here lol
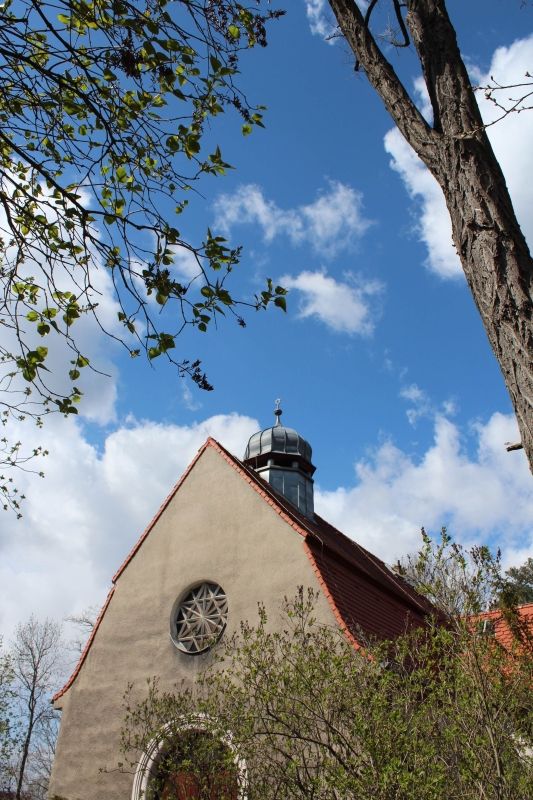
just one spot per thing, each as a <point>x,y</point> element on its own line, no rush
<point>283,458</point>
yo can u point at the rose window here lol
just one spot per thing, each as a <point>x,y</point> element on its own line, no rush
<point>200,618</point>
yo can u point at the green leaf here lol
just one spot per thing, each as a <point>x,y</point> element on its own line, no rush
<point>166,342</point>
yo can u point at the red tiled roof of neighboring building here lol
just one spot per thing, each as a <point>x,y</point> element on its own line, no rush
<point>364,594</point>
<point>503,632</point>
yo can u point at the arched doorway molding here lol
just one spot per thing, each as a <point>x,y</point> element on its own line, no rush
<point>149,760</point>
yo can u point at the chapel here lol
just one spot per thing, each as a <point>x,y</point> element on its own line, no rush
<point>231,534</point>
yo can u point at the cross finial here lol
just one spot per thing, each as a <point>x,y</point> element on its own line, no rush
<point>278,412</point>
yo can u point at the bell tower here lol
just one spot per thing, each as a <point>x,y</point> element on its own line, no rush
<point>283,458</point>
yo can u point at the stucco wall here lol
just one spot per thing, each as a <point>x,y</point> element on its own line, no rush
<point>216,528</point>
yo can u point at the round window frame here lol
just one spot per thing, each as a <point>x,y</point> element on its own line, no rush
<point>174,613</point>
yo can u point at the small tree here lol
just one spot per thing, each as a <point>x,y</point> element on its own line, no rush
<point>458,582</point>
<point>443,711</point>
<point>520,581</point>
<point>35,658</point>
<point>7,734</point>
<point>84,623</point>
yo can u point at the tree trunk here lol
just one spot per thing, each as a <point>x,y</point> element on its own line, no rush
<point>497,265</point>
<point>26,743</point>
<point>493,251</point>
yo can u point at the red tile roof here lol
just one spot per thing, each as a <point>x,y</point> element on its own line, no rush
<point>502,630</point>
<point>364,594</point>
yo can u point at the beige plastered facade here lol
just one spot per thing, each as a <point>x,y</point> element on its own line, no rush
<point>215,527</point>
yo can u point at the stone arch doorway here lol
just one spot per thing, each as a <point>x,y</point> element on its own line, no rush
<point>187,762</point>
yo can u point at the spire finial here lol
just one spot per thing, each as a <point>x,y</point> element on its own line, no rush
<point>278,412</point>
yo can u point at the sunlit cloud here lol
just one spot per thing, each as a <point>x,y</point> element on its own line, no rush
<point>321,20</point>
<point>343,307</point>
<point>331,223</point>
<point>487,497</point>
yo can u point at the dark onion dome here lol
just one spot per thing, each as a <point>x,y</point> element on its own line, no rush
<point>283,459</point>
<point>278,440</point>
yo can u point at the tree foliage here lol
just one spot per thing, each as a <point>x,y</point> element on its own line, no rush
<point>105,115</point>
<point>443,711</point>
<point>455,148</point>
<point>457,581</point>
<point>520,582</point>
<point>450,576</point>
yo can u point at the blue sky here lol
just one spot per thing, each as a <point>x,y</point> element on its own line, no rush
<point>381,360</point>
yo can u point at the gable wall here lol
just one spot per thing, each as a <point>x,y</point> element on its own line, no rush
<point>215,528</point>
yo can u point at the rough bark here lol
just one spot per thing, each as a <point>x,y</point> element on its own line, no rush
<point>492,248</point>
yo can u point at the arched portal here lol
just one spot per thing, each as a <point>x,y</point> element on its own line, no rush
<point>187,762</point>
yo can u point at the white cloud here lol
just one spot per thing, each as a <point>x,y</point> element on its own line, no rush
<point>421,405</point>
<point>331,223</point>
<point>433,222</point>
<point>488,496</point>
<point>343,307</point>
<point>414,393</point>
<point>190,400</point>
<point>510,139</point>
<point>185,264</point>
<point>249,206</point>
<point>321,20</point>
